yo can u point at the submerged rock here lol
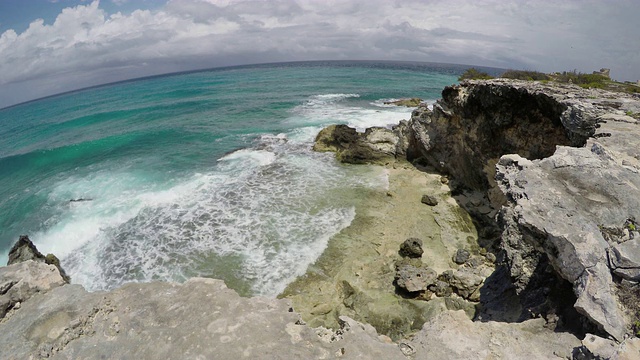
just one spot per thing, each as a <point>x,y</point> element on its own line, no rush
<point>413,102</point>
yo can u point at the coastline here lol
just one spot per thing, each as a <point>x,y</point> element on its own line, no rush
<point>355,274</point>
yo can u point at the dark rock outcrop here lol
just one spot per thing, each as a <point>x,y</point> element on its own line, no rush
<point>376,145</point>
<point>25,250</point>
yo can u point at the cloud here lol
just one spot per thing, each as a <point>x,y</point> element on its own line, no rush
<point>86,46</point>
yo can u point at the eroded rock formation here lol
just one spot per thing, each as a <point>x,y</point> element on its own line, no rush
<point>561,163</point>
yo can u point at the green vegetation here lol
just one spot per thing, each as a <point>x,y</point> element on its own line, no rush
<point>474,74</point>
<point>582,80</point>
<point>633,89</point>
<point>525,75</point>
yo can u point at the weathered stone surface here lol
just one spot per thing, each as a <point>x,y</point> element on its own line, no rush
<point>461,256</point>
<point>595,348</point>
<point>466,283</point>
<point>429,200</point>
<point>412,278</point>
<point>625,259</point>
<point>441,288</point>
<point>568,164</point>
<point>20,281</point>
<point>199,319</point>
<point>451,335</point>
<point>412,247</point>
<point>375,145</point>
<point>24,250</point>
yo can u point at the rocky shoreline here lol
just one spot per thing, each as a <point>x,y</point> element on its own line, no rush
<point>523,195</point>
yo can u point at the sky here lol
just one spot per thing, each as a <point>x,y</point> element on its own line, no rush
<point>53,46</point>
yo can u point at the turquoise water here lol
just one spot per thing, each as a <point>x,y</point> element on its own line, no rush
<point>199,174</point>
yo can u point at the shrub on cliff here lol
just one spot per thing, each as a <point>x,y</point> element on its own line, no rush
<point>474,74</point>
<point>583,80</point>
<point>525,75</point>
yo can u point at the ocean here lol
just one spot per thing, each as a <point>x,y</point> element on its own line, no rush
<point>206,173</point>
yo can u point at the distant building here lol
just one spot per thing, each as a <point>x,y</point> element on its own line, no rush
<point>604,72</point>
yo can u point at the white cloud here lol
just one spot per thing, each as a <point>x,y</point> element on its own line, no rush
<point>86,46</point>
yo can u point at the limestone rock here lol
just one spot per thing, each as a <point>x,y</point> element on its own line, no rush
<point>201,318</point>
<point>595,347</point>
<point>412,278</point>
<point>466,282</point>
<point>375,145</point>
<point>429,200</point>
<point>20,281</point>
<point>451,335</point>
<point>625,259</point>
<point>560,162</point>
<point>461,256</point>
<point>413,102</point>
<point>441,288</point>
<point>412,247</point>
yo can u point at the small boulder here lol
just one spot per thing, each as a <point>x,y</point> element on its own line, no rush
<point>412,279</point>
<point>441,289</point>
<point>412,247</point>
<point>429,200</point>
<point>461,256</point>
<point>466,282</point>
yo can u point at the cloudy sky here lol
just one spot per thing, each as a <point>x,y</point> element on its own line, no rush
<point>52,46</point>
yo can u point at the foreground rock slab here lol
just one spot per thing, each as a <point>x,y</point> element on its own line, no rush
<point>451,335</point>
<point>199,319</point>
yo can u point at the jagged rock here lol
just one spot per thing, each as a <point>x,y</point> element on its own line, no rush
<point>375,145</point>
<point>429,200</point>
<point>24,250</point>
<point>567,166</point>
<point>412,278</point>
<point>461,256</point>
<point>625,259</point>
<point>412,247</point>
<point>20,281</point>
<point>413,102</point>
<point>466,283</point>
<point>335,138</point>
<point>452,335</point>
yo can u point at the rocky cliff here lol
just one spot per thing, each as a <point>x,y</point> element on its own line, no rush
<point>554,174</point>
<point>561,164</point>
